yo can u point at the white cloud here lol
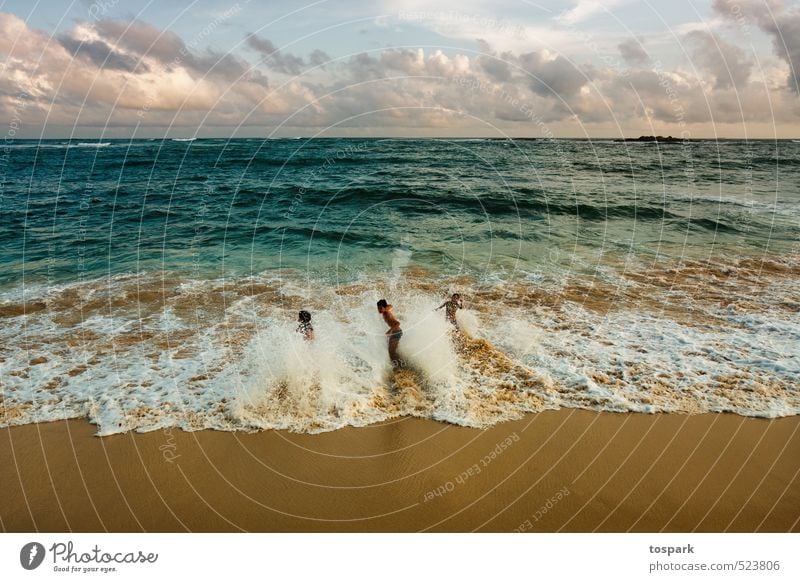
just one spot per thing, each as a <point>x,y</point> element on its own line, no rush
<point>586,9</point>
<point>131,73</point>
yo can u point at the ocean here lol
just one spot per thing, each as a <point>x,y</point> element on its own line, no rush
<point>156,283</point>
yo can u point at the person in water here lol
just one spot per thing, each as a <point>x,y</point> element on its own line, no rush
<point>450,308</point>
<point>394,332</point>
<point>305,328</point>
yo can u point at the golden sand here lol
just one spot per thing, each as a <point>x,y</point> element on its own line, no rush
<point>567,470</point>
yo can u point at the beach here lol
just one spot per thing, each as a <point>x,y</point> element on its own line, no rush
<point>626,358</point>
<point>566,470</point>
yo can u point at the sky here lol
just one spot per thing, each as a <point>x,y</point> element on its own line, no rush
<point>415,68</point>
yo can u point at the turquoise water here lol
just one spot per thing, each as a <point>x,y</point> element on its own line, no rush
<point>154,283</point>
<point>211,208</point>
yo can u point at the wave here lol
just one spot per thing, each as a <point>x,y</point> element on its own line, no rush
<point>152,351</point>
<point>522,201</point>
<point>64,145</point>
<point>709,224</point>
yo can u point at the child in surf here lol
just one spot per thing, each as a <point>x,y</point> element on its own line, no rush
<point>394,332</point>
<point>450,308</point>
<point>305,328</point>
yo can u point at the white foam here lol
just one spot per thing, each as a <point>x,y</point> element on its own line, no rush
<point>249,369</point>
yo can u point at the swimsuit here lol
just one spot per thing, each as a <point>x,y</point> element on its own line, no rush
<point>394,342</point>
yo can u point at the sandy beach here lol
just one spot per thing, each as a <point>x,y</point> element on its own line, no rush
<point>567,470</point>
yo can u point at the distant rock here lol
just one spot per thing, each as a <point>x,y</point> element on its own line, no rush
<point>654,138</point>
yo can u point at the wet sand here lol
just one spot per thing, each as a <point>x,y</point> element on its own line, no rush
<point>567,470</point>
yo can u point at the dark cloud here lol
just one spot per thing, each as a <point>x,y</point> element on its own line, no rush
<point>363,67</point>
<point>142,41</point>
<point>498,69</point>
<point>262,45</point>
<point>772,17</point>
<point>281,61</point>
<point>554,77</point>
<point>632,52</point>
<point>727,63</point>
<point>408,61</point>
<point>785,31</point>
<point>218,64</point>
<point>101,54</point>
<point>318,58</point>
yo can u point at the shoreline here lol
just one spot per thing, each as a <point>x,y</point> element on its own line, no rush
<point>553,342</point>
<point>567,470</point>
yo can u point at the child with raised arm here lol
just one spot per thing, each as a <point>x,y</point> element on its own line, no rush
<point>451,306</point>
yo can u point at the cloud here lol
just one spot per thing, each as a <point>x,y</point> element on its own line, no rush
<point>262,45</point>
<point>782,24</point>
<point>394,62</point>
<point>632,52</point>
<point>727,63</point>
<point>283,62</point>
<point>586,9</point>
<point>100,54</point>
<point>125,74</point>
<point>141,38</point>
<point>122,75</point>
<point>497,69</point>
<point>556,76</point>
<point>318,58</point>
<point>407,61</point>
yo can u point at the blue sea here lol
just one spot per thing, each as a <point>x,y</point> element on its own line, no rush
<point>156,283</point>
